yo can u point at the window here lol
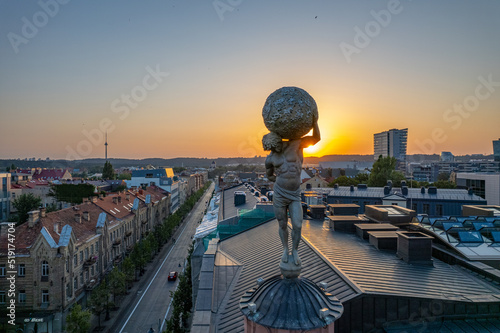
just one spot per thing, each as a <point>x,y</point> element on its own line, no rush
<point>92,270</point>
<point>45,296</point>
<point>92,249</point>
<point>426,209</point>
<point>45,268</point>
<point>75,283</point>
<point>439,210</point>
<point>67,264</point>
<point>2,269</point>
<point>2,297</point>
<point>22,297</point>
<point>86,253</point>
<point>68,290</point>
<point>81,279</point>
<point>21,270</point>
<point>75,260</point>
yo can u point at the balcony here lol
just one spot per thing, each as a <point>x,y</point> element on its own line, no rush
<point>128,233</point>
<point>90,285</point>
<point>90,261</point>
<point>118,259</point>
<point>144,221</point>
<point>129,248</point>
<point>117,242</point>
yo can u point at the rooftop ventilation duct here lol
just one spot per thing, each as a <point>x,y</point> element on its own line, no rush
<point>404,190</point>
<point>387,190</point>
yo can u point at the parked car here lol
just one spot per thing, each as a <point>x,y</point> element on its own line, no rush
<point>172,276</point>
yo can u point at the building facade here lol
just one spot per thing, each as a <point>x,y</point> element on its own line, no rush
<point>61,256</point>
<point>391,143</point>
<point>485,185</point>
<point>5,196</point>
<point>431,201</point>
<point>496,150</point>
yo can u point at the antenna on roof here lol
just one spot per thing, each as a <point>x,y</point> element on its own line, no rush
<point>106,146</point>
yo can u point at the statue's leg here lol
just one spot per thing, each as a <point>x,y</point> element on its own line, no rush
<point>296,217</point>
<point>282,218</point>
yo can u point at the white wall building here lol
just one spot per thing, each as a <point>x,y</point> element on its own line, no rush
<point>486,185</point>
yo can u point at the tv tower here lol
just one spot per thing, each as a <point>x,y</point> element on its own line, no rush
<point>106,146</point>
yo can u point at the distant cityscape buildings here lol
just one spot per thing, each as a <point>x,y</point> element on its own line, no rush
<point>496,150</point>
<point>446,156</point>
<point>391,143</point>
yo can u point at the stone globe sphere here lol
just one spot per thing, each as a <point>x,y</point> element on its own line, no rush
<point>290,112</point>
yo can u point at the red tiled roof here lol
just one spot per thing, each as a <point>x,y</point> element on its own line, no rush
<point>49,174</point>
<point>117,210</point>
<point>26,236</point>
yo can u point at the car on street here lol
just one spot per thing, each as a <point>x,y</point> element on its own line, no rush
<point>172,276</point>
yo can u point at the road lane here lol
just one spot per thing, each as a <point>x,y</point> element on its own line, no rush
<point>152,301</point>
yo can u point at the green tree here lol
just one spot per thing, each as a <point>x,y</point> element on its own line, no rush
<point>99,301</point>
<point>117,282</point>
<point>51,207</point>
<point>343,181</point>
<point>384,169</point>
<point>444,184</point>
<point>107,171</point>
<point>73,193</point>
<point>24,204</point>
<point>444,176</point>
<point>128,269</point>
<point>78,320</point>
<point>124,176</point>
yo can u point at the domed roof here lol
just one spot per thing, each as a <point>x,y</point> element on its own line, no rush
<point>292,304</point>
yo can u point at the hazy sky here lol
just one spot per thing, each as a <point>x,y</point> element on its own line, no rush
<point>189,78</point>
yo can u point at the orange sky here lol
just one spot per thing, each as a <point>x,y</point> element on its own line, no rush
<point>66,86</point>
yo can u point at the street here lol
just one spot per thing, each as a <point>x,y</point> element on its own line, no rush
<point>152,300</point>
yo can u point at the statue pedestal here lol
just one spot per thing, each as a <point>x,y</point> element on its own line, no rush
<point>289,305</point>
<point>289,270</point>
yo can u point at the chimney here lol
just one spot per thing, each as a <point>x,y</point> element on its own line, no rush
<point>42,211</point>
<point>470,191</point>
<point>78,218</point>
<point>432,190</point>
<point>86,216</point>
<point>352,188</point>
<point>33,218</point>
<point>389,183</point>
<point>94,199</point>
<point>115,200</point>
<point>403,183</point>
<point>414,247</point>
<point>404,190</point>
<point>422,190</point>
<point>56,228</point>
<point>119,199</point>
<point>387,190</point>
<point>127,196</point>
<point>101,195</point>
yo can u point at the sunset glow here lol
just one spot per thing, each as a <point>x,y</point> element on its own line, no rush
<point>178,80</point>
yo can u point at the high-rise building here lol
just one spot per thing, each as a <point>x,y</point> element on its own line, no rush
<point>446,156</point>
<point>391,143</point>
<point>496,150</point>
